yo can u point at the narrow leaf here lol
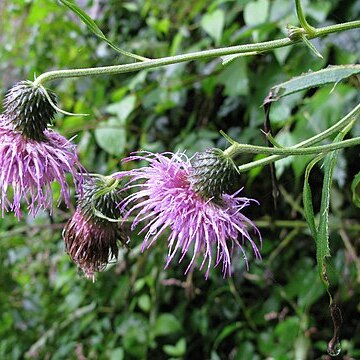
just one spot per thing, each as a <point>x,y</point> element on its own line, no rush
<point>310,45</point>
<point>226,59</point>
<point>332,74</point>
<point>355,188</point>
<point>322,240</point>
<point>307,198</point>
<point>90,23</point>
<point>85,18</point>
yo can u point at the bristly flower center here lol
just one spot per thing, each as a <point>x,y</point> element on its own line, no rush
<point>27,109</point>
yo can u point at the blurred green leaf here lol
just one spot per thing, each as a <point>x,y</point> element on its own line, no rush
<point>287,331</point>
<point>225,332</point>
<point>213,24</point>
<point>355,188</point>
<point>166,324</point>
<point>235,79</point>
<point>144,302</point>
<point>256,12</point>
<point>117,353</point>
<point>123,108</point>
<point>111,136</point>
<point>178,350</point>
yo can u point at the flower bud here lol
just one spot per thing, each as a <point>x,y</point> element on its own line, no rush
<point>28,110</point>
<point>213,174</point>
<point>91,236</point>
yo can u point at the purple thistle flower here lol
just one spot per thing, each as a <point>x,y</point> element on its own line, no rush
<point>166,199</point>
<point>28,167</point>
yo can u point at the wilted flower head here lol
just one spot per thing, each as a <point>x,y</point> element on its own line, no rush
<point>167,199</point>
<point>91,236</point>
<point>32,157</point>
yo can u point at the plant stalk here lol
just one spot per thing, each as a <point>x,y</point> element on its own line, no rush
<point>351,116</point>
<point>148,64</point>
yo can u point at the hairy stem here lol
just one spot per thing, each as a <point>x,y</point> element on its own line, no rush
<point>302,20</point>
<point>236,150</point>
<point>352,116</point>
<point>257,47</point>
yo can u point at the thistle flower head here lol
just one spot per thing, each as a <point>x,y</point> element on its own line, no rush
<point>213,174</point>
<point>166,199</point>
<point>28,167</point>
<point>91,236</point>
<point>27,109</point>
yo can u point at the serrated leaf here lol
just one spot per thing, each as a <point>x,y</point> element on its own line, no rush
<point>355,188</point>
<point>332,74</point>
<point>90,23</point>
<point>322,241</point>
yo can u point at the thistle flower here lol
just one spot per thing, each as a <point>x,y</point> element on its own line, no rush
<point>213,174</point>
<point>28,109</point>
<point>31,156</point>
<point>168,200</point>
<point>91,236</point>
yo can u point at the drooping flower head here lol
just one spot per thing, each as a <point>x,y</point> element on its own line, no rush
<point>92,235</point>
<point>165,197</point>
<point>31,156</point>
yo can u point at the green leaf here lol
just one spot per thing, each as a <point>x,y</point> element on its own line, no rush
<point>235,78</point>
<point>322,241</point>
<point>166,324</point>
<point>213,24</point>
<point>176,351</point>
<point>227,331</point>
<point>144,302</point>
<point>229,58</point>
<point>111,136</point>
<point>332,74</point>
<point>256,12</point>
<point>90,23</point>
<point>307,198</point>
<point>355,188</point>
<point>117,353</point>
<point>310,45</point>
<point>123,108</point>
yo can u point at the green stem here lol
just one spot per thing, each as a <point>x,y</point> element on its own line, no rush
<point>302,20</point>
<point>352,116</point>
<point>270,223</point>
<point>335,28</point>
<point>236,150</point>
<point>257,47</point>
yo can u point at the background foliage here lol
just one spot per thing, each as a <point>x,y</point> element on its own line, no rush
<point>135,309</point>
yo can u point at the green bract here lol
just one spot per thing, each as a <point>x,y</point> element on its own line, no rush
<point>213,174</point>
<point>28,109</point>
